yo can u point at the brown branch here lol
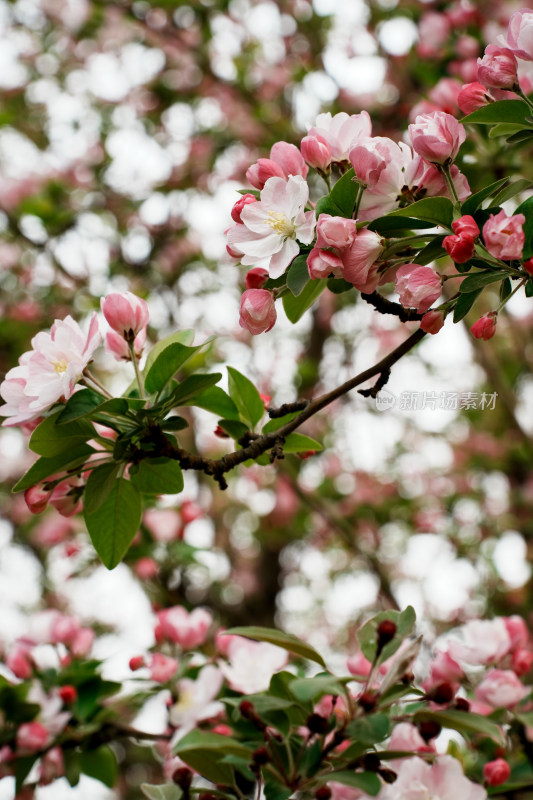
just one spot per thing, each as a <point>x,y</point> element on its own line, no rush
<point>385,306</point>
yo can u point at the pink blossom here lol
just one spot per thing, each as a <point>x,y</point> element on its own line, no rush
<point>482,642</point>
<point>285,160</point>
<point>466,225</point>
<point>258,311</point>
<point>522,661</point>
<point>188,629</point>
<point>52,766</point>
<point>64,629</point>
<point>126,313</point>
<point>162,668</point>
<point>418,286</point>
<point>485,327</point>
<point>32,736</point>
<point>244,200</point>
<point>406,736</point>
<point>67,497</point>
<point>501,688</point>
<point>321,263</point>
<point>18,660</point>
<point>443,668</point>
<point>433,32</point>
<point>520,34</point>
<point>256,278</point>
<point>432,322</point>
<point>504,236</point>
<point>251,664</point>
<point>359,258</point>
<point>441,780</point>
<point>37,498</point>
<point>146,568</point>
<point>316,152</point>
<point>496,772</point>
<point>437,137</point>
<point>473,96</point>
<point>370,157</point>
<point>341,132</point>
<point>517,630</point>
<point>269,229</point>
<point>49,372</point>
<point>196,699</point>
<point>164,524</point>
<point>498,68</point>
<point>444,94</point>
<point>118,347</point>
<point>359,665</point>
<point>459,247</point>
<point>82,643</point>
<point>337,232</point>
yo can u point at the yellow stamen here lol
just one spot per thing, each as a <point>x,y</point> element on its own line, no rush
<point>60,366</point>
<point>279,223</point>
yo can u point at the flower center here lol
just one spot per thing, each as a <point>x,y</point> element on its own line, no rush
<point>60,366</point>
<point>279,223</point>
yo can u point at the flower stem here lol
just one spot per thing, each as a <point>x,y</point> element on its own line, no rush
<point>101,389</point>
<point>138,375</point>
<point>446,174</point>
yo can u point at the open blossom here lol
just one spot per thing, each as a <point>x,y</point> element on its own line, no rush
<point>258,311</point>
<point>498,68</point>
<point>32,736</point>
<point>196,699</point>
<point>337,232</point>
<point>49,372</point>
<point>269,229</point>
<point>442,780</point>
<point>341,132</point>
<point>285,160</point>
<point>437,136</point>
<point>188,629</point>
<point>370,157</point>
<point>418,286</point>
<point>504,236</point>
<point>501,688</point>
<point>481,642</point>
<point>251,664</point>
<point>162,668</point>
<point>520,34</point>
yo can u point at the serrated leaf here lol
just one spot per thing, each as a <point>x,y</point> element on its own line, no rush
<point>501,111</point>
<point>158,476</point>
<point>99,485</point>
<point>480,279</point>
<point>80,404</point>
<point>367,635</point>
<point>100,764</point>
<point>298,275</point>
<point>285,640</point>
<point>204,751</point>
<point>438,210</point>
<point>50,439</point>
<point>463,722</point>
<point>295,307</point>
<point>114,524</point>
<point>46,467</point>
<point>187,392</point>
<point>246,397</point>
<point>368,782</point>
<point>218,402</point>
<point>298,443</point>
<point>464,304</point>
<point>165,791</point>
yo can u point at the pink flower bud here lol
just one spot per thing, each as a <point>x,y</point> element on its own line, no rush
<point>437,136</point>
<point>126,313</point>
<point>258,312</point>
<point>32,736</point>
<point>18,660</point>
<point>473,96</point>
<point>520,34</point>
<point>316,152</point>
<point>67,497</point>
<point>501,688</point>
<point>504,236</point>
<point>517,629</point>
<point>37,498</point>
<point>337,232</point>
<point>432,321</point>
<point>321,263</point>
<point>162,668</point>
<point>358,664</point>
<point>146,568</point>
<point>528,266</point>
<point>82,643</point>
<point>118,347</point>
<point>485,327</point>
<point>68,694</point>
<point>245,200</point>
<point>359,258</point>
<point>522,661</point>
<point>52,766</point>
<point>418,286</point>
<point>466,225</point>
<point>496,772</point>
<point>262,170</point>
<point>136,662</point>
<point>256,278</point>
<point>459,247</point>
<point>498,68</point>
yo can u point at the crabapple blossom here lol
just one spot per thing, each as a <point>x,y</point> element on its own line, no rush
<point>196,699</point>
<point>244,200</point>
<point>370,157</point>
<point>432,321</point>
<point>481,642</point>
<point>520,34</point>
<point>418,286</point>
<point>485,327</point>
<point>498,68</point>
<point>437,137</point>
<point>496,772</point>
<point>32,736</point>
<point>285,160</point>
<point>316,152</point>
<point>359,258</point>
<point>37,498</point>
<point>162,668</point>
<point>466,226</point>
<point>321,263</point>
<point>256,278</point>
<point>251,664</point>
<point>269,229</point>
<point>504,235</point>
<point>188,629</point>
<point>49,372</point>
<point>441,780</point>
<point>341,132</point>
<point>460,247</point>
<point>126,313</point>
<point>118,347</point>
<point>52,766</point>
<point>522,661</point>
<point>337,232</point>
<point>501,688</point>
<point>258,311</point>
<point>473,96</point>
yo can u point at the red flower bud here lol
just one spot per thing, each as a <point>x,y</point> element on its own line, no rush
<point>68,694</point>
<point>496,772</point>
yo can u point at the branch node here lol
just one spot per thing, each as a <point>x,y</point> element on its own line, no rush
<point>287,408</point>
<point>378,386</point>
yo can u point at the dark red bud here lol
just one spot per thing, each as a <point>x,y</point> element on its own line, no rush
<point>317,723</point>
<point>323,793</point>
<point>371,762</point>
<point>68,694</point>
<point>368,701</point>
<point>183,778</point>
<point>221,433</point>
<point>387,775</point>
<point>261,756</point>
<point>461,704</point>
<point>429,729</point>
<point>247,709</point>
<point>386,633</point>
<point>442,693</point>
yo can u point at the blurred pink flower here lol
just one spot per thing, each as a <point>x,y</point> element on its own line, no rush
<point>188,629</point>
<point>520,34</point>
<point>501,688</point>
<point>442,780</point>
<point>251,664</point>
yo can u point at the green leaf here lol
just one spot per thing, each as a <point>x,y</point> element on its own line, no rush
<point>100,764</point>
<point>506,129</point>
<point>520,136</point>
<point>72,766</point>
<point>165,791</point>
<point>298,275</point>
<point>472,203</point>
<point>80,404</point>
<point>464,304</point>
<point>529,288</point>
<point>241,765</point>
<point>369,729</point>
<point>295,307</point>
<point>23,765</point>
<point>431,251</point>
<point>438,210</point>
<point>367,635</point>
<point>278,422</point>
<point>158,476</point>
<point>188,390</point>
<point>218,402</point>
<point>99,484</point>
<point>465,723</point>
<point>298,443</point>
<point>233,428</point>
<point>285,640</point>
<point>393,225</point>
<point>246,397</point>
<point>305,689</point>
<point>174,423</point>
<point>368,782</point>
<point>165,366</point>
<point>480,279</point>
<point>344,193</point>
<point>50,439</point>
<point>178,337</point>
<point>510,191</point>
<point>274,790</point>
<point>114,524</point>
<point>46,467</point>
<point>339,285</point>
<point>204,752</point>
<point>502,111</point>
<point>505,289</point>
<point>526,208</point>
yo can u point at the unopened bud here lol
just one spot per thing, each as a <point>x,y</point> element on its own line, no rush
<point>323,793</point>
<point>368,701</point>
<point>387,775</point>
<point>461,704</point>
<point>429,729</point>
<point>261,756</point>
<point>317,723</point>
<point>386,633</point>
<point>442,693</point>
<point>371,762</point>
<point>183,778</point>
